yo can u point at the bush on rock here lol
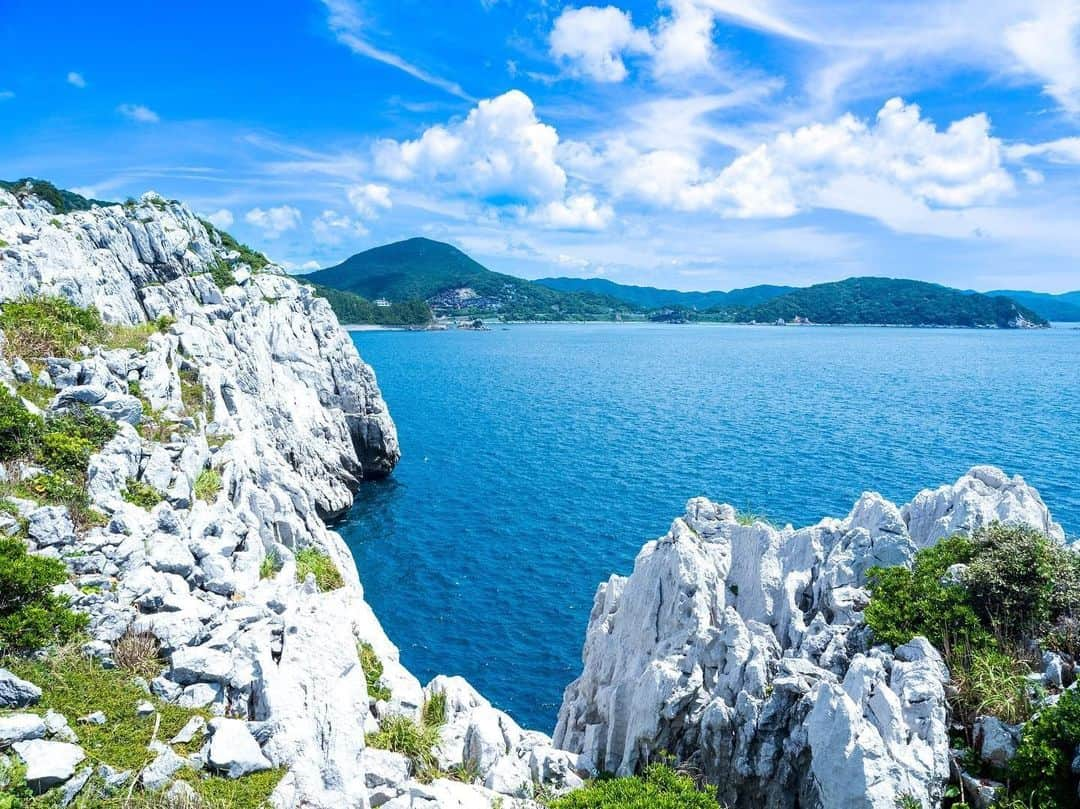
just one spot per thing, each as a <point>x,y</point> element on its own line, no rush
<point>658,787</point>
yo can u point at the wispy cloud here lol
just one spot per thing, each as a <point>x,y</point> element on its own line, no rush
<point>346,25</point>
<point>6,94</point>
<point>137,112</point>
<point>76,79</point>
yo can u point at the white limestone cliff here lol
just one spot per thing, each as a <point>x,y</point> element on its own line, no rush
<point>293,422</point>
<point>741,650</point>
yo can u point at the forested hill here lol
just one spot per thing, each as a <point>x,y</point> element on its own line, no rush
<point>891,301</point>
<point>653,298</point>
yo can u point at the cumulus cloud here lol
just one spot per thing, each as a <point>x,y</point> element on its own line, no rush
<point>577,212</point>
<point>901,153</point>
<point>139,113</point>
<point>273,222</point>
<point>593,40</point>
<point>221,218</point>
<point>501,149</point>
<point>1048,45</point>
<point>76,79</point>
<point>370,199</point>
<point>331,227</point>
<point>684,42</point>
<point>1063,150</point>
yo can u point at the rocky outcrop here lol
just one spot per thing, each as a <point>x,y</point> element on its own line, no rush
<point>741,650</point>
<point>264,422</point>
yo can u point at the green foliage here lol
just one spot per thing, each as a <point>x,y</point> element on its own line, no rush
<point>132,337</point>
<point>42,326</point>
<point>373,671</point>
<point>1022,582</point>
<point>250,792</point>
<point>887,300</point>
<point>434,710</point>
<point>990,682</point>
<point>312,560</point>
<point>906,603</point>
<point>269,566</point>
<point>222,275</point>
<point>3,243</point>
<point>1040,774</point>
<point>61,201</point>
<point>253,258</point>
<point>417,740</point>
<point>20,430</point>
<point>908,802</point>
<point>208,485</point>
<point>142,494</point>
<point>658,787</point>
<point>351,308</point>
<point>40,395</point>
<point>192,393</point>
<point>14,791</point>
<point>30,615</point>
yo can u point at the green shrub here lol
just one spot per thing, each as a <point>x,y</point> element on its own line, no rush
<point>3,244</point>
<point>222,275</point>
<point>84,422</point>
<point>658,787</point>
<point>64,452</point>
<point>41,327</point>
<point>192,393</point>
<point>400,734</point>
<point>373,671</point>
<point>905,603</point>
<point>1040,774</point>
<point>14,791</point>
<point>312,560</point>
<point>41,395</point>
<point>142,494</point>
<point>208,485</point>
<point>1021,582</point>
<point>434,710</point>
<point>20,430</point>
<point>30,615</point>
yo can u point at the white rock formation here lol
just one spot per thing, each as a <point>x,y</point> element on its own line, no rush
<point>293,421</point>
<point>741,650</point>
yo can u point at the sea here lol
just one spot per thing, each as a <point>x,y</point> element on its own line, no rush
<point>538,459</point>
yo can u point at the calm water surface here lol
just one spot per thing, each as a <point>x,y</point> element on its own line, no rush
<point>538,459</point>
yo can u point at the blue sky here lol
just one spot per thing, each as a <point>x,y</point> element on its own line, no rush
<point>695,144</point>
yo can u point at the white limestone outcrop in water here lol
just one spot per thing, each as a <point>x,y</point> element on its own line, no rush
<point>293,421</point>
<point>741,649</point>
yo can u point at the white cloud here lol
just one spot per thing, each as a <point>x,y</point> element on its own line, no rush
<point>1063,150</point>
<point>901,154</point>
<point>369,199</point>
<point>274,221</point>
<point>76,79</point>
<point>6,94</point>
<point>137,112</point>
<point>501,149</point>
<point>222,218</point>
<point>684,42</point>
<point>1048,45</point>
<point>593,40</point>
<point>578,212</point>
<point>346,24</point>
<point>331,227</point>
<point>1033,176</point>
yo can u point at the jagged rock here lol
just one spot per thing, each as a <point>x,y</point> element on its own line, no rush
<point>384,774</point>
<point>57,726</point>
<point>160,771</point>
<point>182,795</point>
<point>995,740</point>
<point>16,692</point>
<point>20,727</point>
<point>233,750</point>
<point>74,786</point>
<point>50,525</point>
<point>195,726</point>
<point>193,664</point>
<point>742,651</point>
<point>113,779</point>
<point>443,794</point>
<point>95,718</point>
<point>48,763</point>
<point>144,708</point>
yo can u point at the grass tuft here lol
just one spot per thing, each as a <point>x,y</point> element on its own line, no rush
<point>312,560</point>
<point>400,734</point>
<point>373,671</point>
<point>40,327</point>
<point>142,494</point>
<point>208,485</point>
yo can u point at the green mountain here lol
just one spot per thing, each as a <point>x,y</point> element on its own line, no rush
<point>653,298</point>
<point>1064,307</point>
<point>889,301</point>
<point>453,283</point>
<point>352,309</point>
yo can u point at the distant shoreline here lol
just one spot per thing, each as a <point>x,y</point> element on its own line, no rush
<point>492,324</point>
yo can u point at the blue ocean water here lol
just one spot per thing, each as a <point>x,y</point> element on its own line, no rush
<point>538,459</point>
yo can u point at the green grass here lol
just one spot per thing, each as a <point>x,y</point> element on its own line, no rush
<point>989,682</point>
<point>269,566</point>
<point>312,560</point>
<point>40,395</point>
<point>208,485</point>
<point>434,711</point>
<point>658,787</point>
<point>417,740</point>
<point>222,275</point>
<point>192,393</point>
<point>3,244</point>
<point>373,671</point>
<point>750,517</point>
<point>75,686</point>
<point>142,494</point>
<point>40,327</point>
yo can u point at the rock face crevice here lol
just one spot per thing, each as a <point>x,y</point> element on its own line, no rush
<point>289,420</point>
<point>741,650</point>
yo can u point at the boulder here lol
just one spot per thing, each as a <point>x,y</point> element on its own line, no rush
<point>16,692</point>
<point>233,751</point>
<point>48,764</point>
<point>995,740</point>
<point>20,727</point>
